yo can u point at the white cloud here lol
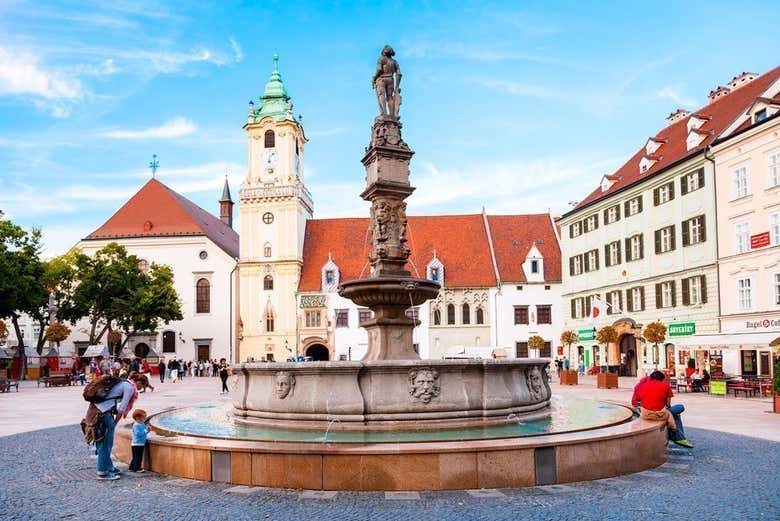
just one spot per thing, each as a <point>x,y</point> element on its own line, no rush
<point>173,128</point>
<point>168,62</point>
<point>238,53</point>
<point>527,90</point>
<point>21,73</point>
<point>674,94</point>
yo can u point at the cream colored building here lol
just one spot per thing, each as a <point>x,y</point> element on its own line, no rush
<point>644,241</point>
<point>747,163</point>
<point>274,206</point>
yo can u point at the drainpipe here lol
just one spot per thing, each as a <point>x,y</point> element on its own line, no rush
<point>717,253</point>
<point>231,318</point>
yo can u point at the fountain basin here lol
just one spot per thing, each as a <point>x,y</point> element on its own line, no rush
<point>390,394</point>
<point>579,440</point>
<point>403,292</point>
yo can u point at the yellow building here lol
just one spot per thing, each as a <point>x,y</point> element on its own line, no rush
<point>274,206</point>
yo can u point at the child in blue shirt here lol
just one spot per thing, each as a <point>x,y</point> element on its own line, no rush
<point>140,428</point>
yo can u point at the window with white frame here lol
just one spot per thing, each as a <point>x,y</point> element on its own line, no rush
<point>637,302</point>
<point>634,205</point>
<point>742,237</point>
<point>575,229</point>
<point>744,295</point>
<point>591,223</point>
<point>613,249</point>
<point>694,291</point>
<point>313,318</point>
<point>774,228</point>
<point>665,193</point>
<point>665,239</point>
<point>692,181</point>
<point>579,304</point>
<point>773,169</point>
<point>635,244</point>
<point>613,299</point>
<point>612,214</point>
<point>593,260</point>
<point>667,294</point>
<point>739,182</point>
<point>577,263</point>
<point>777,288</point>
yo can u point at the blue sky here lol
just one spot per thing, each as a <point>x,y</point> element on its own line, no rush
<point>518,106</point>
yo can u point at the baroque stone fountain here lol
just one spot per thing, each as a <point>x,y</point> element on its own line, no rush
<point>390,388</point>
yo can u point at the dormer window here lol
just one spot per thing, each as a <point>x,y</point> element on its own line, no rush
<point>606,184</point>
<point>330,275</point>
<point>695,122</point>
<point>694,139</point>
<point>645,164</point>
<point>435,270</point>
<point>534,266</point>
<point>759,116</point>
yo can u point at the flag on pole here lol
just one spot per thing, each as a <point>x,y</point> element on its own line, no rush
<point>597,310</point>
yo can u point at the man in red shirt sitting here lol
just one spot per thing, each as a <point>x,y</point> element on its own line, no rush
<point>655,398</point>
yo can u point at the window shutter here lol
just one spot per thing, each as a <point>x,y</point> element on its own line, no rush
<point>686,225</point>
<point>642,298</point>
<point>656,195</point>
<point>619,258</point>
<point>641,246</point>
<point>658,296</point>
<point>629,303</point>
<point>597,259</point>
<point>573,308</point>
<point>605,215</point>
<point>571,266</point>
<point>673,237</point>
<point>640,198</point>
<point>684,185</point>
<point>571,231</point>
<point>588,305</point>
<point>657,242</point>
<point>606,256</point>
<point>703,285</point>
<point>686,292</point>
<point>628,249</point>
<point>700,174</point>
<point>671,190</point>
<point>617,212</point>
<point>674,293</point>
<point>703,228</point>
<point>596,221</point>
<point>626,208</point>
<point>620,300</point>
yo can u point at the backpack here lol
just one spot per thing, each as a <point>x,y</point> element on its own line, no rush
<point>97,390</point>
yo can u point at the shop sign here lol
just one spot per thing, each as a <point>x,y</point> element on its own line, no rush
<point>682,329</point>
<point>718,387</point>
<point>586,334</point>
<point>762,324</point>
<point>759,241</point>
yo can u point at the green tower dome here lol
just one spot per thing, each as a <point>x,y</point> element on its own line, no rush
<point>275,102</point>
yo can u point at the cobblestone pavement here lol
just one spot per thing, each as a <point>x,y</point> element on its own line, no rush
<point>49,475</point>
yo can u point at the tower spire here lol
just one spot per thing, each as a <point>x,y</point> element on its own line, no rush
<point>226,204</point>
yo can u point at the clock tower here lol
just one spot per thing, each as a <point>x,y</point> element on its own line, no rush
<point>274,206</point>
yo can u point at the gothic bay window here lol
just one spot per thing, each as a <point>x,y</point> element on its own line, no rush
<point>364,315</point>
<point>744,294</point>
<point>694,291</point>
<point>664,240</point>
<point>313,318</point>
<point>663,194</point>
<point>739,182</point>
<point>612,253</point>
<point>773,169</point>
<point>691,182</point>
<point>665,295</point>
<point>742,237</point>
<point>633,206</point>
<point>437,317</point>
<point>465,314</point>
<point>480,316</point>
<point>544,314</point>
<point>203,296</point>
<point>269,140</point>
<point>268,283</point>
<point>693,230</point>
<point>342,318</point>
<point>450,314</point>
<point>521,315</point>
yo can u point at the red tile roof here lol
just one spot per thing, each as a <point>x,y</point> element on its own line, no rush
<point>158,211</point>
<point>460,243</point>
<point>719,115</point>
<point>513,236</point>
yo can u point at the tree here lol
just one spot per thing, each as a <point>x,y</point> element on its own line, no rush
<point>655,333</point>
<point>536,342</point>
<point>57,332</point>
<point>568,338</point>
<point>3,329</point>
<point>606,335</point>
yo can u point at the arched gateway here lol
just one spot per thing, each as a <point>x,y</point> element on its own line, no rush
<point>318,353</point>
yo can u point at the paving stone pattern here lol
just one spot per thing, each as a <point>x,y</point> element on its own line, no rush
<point>48,475</point>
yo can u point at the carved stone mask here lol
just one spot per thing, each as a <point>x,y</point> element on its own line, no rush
<point>285,384</point>
<point>424,385</point>
<point>535,382</point>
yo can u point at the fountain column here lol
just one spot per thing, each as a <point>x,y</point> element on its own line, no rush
<point>390,288</point>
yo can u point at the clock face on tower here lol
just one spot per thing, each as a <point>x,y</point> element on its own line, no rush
<point>270,158</point>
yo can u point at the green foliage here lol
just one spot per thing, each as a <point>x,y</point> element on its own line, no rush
<point>607,335</point>
<point>655,333</point>
<point>109,288</point>
<point>776,383</point>
<point>536,342</point>
<point>569,338</point>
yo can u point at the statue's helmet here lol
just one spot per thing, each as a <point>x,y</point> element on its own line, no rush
<point>388,51</point>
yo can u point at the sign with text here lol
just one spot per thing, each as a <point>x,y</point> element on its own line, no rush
<point>586,334</point>
<point>682,329</point>
<point>759,240</point>
<point>718,387</point>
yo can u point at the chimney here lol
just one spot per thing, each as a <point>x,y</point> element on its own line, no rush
<point>226,205</point>
<point>718,93</point>
<point>742,79</point>
<point>677,115</point>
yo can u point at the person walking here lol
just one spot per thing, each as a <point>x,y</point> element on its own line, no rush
<point>138,444</point>
<point>224,372</point>
<point>654,397</point>
<point>161,369</point>
<point>173,367</point>
<point>117,403</point>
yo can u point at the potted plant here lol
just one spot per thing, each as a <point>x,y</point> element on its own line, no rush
<point>655,333</point>
<point>569,377</point>
<point>607,335</point>
<point>536,342</point>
